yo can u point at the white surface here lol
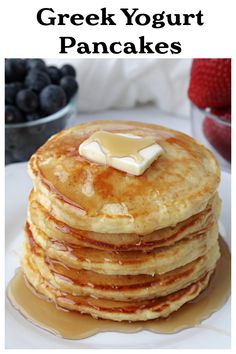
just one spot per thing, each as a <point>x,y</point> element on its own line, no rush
<point>212,333</point>
<point>147,113</point>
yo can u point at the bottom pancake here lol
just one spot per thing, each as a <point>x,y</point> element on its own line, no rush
<point>114,310</point>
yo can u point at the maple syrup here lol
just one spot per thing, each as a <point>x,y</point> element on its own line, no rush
<point>72,325</point>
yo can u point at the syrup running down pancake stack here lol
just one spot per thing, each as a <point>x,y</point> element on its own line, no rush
<point>117,246</point>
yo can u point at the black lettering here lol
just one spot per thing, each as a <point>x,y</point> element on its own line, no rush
<point>158,20</point>
<point>199,16</point>
<point>145,46</point>
<point>140,22</point>
<point>65,44</point>
<point>187,18</point>
<point>61,19</point>
<point>91,18</point>
<point>77,19</point>
<point>129,48</point>
<point>129,16</point>
<point>96,46</point>
<point>173,19</point>
<point>175,48</point>
<point>107,18</point>
<point>42,22</point>
<point>83,48</point>
<point>161,45</point>
<point>112,48</point>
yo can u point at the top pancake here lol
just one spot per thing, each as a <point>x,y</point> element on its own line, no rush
<point>94,197</point>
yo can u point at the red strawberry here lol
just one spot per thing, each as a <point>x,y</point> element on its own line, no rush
<point>219,134</point>
<point>224,113</point>
<point>210,83</point>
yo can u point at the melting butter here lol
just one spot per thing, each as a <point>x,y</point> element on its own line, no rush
<point>126,152</point>
<point>118,145</point>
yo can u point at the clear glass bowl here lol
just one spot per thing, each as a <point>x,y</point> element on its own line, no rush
<point>214,132</point>
<point>23,139</point>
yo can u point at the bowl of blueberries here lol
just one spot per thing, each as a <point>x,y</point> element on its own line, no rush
<point>39,99</point>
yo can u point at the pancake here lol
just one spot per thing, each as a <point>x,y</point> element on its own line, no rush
<point>117,246</point>
<point>55,229</point>
<point>115,287</point>
<point>158,261</point>
<point>98,198</point>
<point>110,309</point>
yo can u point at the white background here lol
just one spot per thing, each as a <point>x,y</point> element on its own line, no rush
<point>22,36</point>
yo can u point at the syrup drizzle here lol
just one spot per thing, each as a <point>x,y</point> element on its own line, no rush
<point>114,145</point>
<point>72,325</point>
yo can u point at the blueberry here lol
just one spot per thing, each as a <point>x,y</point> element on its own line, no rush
<point>36,80</point>
<point>69,85</point>
<point>13,115</point>
<point>36,64</point>
<point>15,70</point>
<point>8,70</point>
<point>68,70</point>
<point>34,116</point>
<point>27,100</point>
<point>11,91</point>
<point>52,98</point>
<point>54,74</point>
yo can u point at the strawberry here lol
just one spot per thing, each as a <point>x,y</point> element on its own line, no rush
<point>210,83</point>
<point>219,134</point>
<point>224,113</point>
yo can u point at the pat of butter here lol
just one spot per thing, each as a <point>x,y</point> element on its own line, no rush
<point>94,151</point>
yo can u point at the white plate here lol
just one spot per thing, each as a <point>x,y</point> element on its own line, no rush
<point>21,334</point>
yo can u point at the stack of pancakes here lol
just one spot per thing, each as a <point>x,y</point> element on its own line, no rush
<point>117,246</point>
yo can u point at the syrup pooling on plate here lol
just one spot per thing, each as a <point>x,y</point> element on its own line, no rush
<point>73,325</point>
